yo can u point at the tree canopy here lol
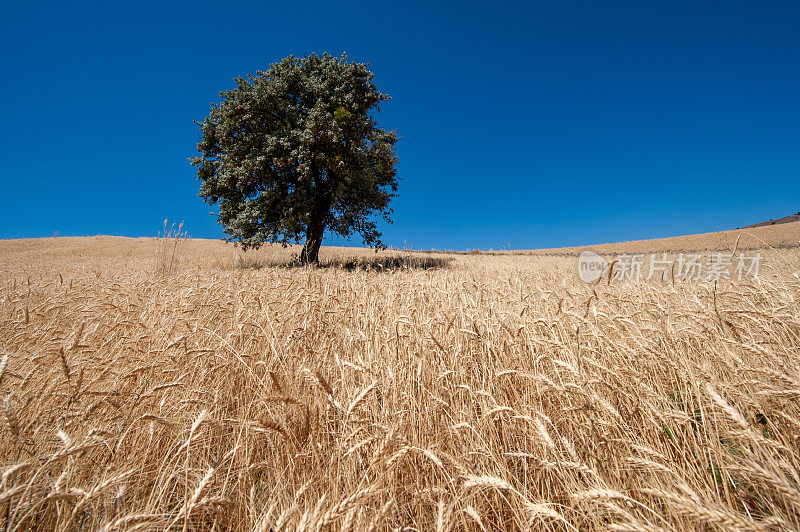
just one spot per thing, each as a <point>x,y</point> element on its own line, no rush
<point>296,150</point>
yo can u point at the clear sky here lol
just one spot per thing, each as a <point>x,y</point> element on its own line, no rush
<point>530,124</point>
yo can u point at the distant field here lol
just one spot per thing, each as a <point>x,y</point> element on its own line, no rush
<point>185,385</point>
<point>775,236</point>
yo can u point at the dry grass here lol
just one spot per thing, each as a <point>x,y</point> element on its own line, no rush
<point>170,243</point>
<point>496,393</point>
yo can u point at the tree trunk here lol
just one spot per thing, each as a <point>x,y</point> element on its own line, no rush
<point>315,229</point>
<point>310,253</point>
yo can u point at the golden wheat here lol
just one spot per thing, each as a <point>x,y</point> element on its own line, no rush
<point>494,393</point>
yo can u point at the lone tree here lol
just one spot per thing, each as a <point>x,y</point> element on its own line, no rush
<point>295,150</point>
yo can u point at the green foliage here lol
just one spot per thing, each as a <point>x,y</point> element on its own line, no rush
<point>295,150</point>
<point>342,115</point>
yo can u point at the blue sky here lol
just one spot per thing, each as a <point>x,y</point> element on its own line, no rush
<point>530,124</point>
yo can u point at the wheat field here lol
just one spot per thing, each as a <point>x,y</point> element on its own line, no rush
<point>183,385</point>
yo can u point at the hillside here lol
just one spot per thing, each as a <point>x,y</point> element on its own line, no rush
<point>761,236</point>
<point>777,221</point>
